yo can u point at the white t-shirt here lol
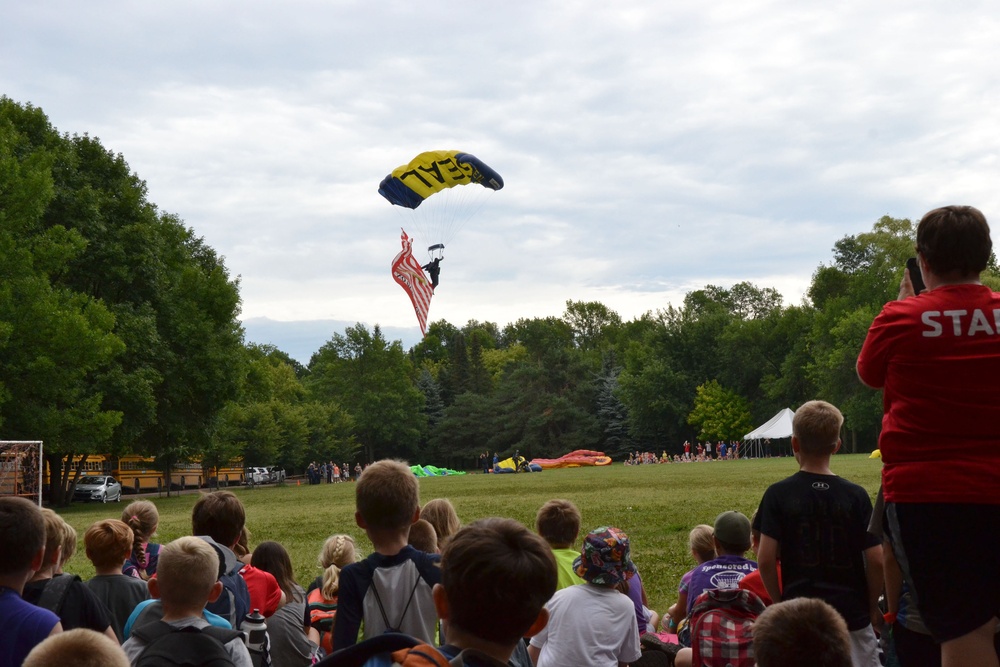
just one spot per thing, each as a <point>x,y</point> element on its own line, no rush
<point>237,650</point>
<point>588,625</point>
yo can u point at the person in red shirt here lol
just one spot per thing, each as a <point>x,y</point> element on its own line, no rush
<point>936,356</point>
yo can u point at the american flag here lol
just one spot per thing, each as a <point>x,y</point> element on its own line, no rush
<point>407,272</point>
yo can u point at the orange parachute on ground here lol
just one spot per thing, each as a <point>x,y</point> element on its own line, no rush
<point>575,459</point>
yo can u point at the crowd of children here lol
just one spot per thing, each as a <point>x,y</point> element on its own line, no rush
<point>489,593</point>
<point>720,451</point>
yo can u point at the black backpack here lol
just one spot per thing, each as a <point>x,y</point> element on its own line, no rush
<point>167,646</point>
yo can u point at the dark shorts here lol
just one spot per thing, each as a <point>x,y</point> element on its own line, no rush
<point>950,559</point>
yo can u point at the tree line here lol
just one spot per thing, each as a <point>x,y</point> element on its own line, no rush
<point>119,333</point>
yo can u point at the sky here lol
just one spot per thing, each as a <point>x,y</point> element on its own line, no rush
<point>648,148</point>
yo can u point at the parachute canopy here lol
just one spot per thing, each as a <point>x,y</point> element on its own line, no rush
<point>429,173</point>
<point>575,459</point>
<point>433,471</point>
<point>437,192</point>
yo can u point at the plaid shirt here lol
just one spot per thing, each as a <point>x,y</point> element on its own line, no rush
<point>721,628</point>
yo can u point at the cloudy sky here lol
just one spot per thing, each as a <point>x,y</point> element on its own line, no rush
<point>648,148</point>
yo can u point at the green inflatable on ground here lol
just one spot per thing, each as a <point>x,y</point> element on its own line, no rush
<point>434,471</point>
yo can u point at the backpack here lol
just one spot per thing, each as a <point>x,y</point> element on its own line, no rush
<point>54,594</point>
<point>721,627</point>
<point>394,649</point>
<point>322,613</point>
<point>234,603</point>
<point>167,646</point>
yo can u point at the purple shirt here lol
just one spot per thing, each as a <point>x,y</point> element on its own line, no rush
<point>724,572</point>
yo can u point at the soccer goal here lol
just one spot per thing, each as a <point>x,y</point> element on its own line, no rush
<point>21,469</point>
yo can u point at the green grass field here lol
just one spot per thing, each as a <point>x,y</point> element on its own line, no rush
<point>656,505</point>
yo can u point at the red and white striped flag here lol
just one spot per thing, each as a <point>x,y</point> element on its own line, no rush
<point>407,272</point>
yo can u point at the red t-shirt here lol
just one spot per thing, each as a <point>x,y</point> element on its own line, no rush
<point>937,358</point>
<point>753,583</point>
<point>265,594</point>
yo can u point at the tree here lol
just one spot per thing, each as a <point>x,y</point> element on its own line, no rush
<point>171,303</point>
<point>54,342</point>
<point>719,414</point>
<point>372,380</point>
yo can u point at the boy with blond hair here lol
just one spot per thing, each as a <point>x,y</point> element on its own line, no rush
<point>391,589</point>
<point>108,544</point>
<point>817,524</point>
<point>79,648</point>
<point>22,549</point>
<point>186,580</point>
<point>558,522</point>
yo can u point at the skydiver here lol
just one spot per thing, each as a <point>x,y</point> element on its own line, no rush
<point>434,269</point>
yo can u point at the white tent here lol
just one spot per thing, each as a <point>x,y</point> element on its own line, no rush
<point>778,426</point>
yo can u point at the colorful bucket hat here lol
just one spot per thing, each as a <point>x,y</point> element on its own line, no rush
<point>605,558</point>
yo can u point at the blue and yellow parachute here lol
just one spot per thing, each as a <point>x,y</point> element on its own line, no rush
<point>441,190</point>
<point>429,173</point>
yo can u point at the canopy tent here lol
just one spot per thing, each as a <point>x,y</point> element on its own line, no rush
<point>778,426</point>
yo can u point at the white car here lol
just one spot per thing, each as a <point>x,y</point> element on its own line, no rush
<point>258,475</point>
<point>98,487</point>
<point>277,474</point>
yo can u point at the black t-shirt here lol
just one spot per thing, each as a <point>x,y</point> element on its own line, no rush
<point>821,525</point>
<point>80,608</point>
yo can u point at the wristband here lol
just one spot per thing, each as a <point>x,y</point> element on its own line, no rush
<point>889,618</point>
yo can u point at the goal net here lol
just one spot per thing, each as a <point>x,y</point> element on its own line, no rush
<point>21,469</point>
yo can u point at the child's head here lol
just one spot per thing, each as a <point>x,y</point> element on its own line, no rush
<point>802,631</point>
<point>605,558</point>
<point>558,522</point>
<point>816,428</point>
<point>496,576</point>
<point>68,545</point>
<point>22,535</point>
<point>423,537</point>
<point>219,515</point>
<point>80,648</point>
<point>732,533</point>
<point>440,513</point>
<point>273,557</point>
<point>55,535</point>
<point>141,516</point>
<point>242,546</point>
<point>108,543</point>
<point>387,497</point>
<point>338,552</point>
<point>187,573</point>
<point>702,543</point>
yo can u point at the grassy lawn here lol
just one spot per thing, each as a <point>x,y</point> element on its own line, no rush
<point>656,505</point>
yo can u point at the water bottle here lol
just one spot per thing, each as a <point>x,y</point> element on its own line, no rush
<point>255,635</point>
